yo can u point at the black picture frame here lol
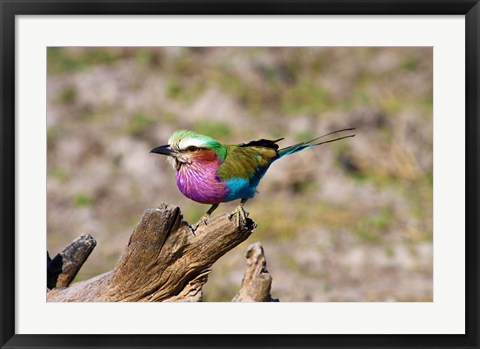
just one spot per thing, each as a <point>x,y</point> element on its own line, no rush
<point>11,8</point>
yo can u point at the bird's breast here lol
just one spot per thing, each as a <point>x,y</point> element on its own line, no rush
<point>200,183</point>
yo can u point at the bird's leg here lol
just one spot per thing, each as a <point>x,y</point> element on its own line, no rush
<point>239,213</point>
<point>204,218</point>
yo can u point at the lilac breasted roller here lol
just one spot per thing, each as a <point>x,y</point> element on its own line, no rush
<point>210,172</point>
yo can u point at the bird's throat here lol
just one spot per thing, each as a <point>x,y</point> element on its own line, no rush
<point>178,165</point>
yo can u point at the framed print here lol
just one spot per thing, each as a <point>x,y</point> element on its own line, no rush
<point>224,174</point>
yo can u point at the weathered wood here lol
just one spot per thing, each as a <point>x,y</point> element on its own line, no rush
<point>163,260</point>
<point>257,282</point>
<point>62,269</point>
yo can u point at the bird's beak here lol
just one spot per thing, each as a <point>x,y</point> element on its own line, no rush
<point>164,150</point>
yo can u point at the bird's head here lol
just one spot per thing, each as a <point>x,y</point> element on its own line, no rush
<point>186,148</point>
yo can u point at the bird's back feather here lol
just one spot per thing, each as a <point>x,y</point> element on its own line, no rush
<point>265,143</point>
<point>245,161</point>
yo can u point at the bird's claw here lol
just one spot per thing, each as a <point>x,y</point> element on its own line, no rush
<point>193,228</point>
<point>240,215</point>
<point>204,220</point>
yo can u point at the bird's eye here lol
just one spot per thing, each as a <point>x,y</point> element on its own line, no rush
<point>192,148</point>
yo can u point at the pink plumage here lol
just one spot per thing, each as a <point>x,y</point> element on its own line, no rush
<point>199,180</point>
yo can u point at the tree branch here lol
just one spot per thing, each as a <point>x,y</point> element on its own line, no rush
<point>62,269</point>
<point>163,260</point>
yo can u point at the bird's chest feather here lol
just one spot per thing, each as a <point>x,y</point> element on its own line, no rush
<point>199,180</point>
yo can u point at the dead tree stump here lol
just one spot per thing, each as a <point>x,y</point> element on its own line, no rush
<point>163,261</point>
<point>257,282</point>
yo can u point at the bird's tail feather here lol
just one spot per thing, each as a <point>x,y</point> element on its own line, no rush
<point>309,144</point>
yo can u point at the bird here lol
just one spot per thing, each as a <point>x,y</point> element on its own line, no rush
<point>210,172</point>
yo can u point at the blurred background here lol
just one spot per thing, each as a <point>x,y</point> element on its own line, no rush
<point>346,221</point>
